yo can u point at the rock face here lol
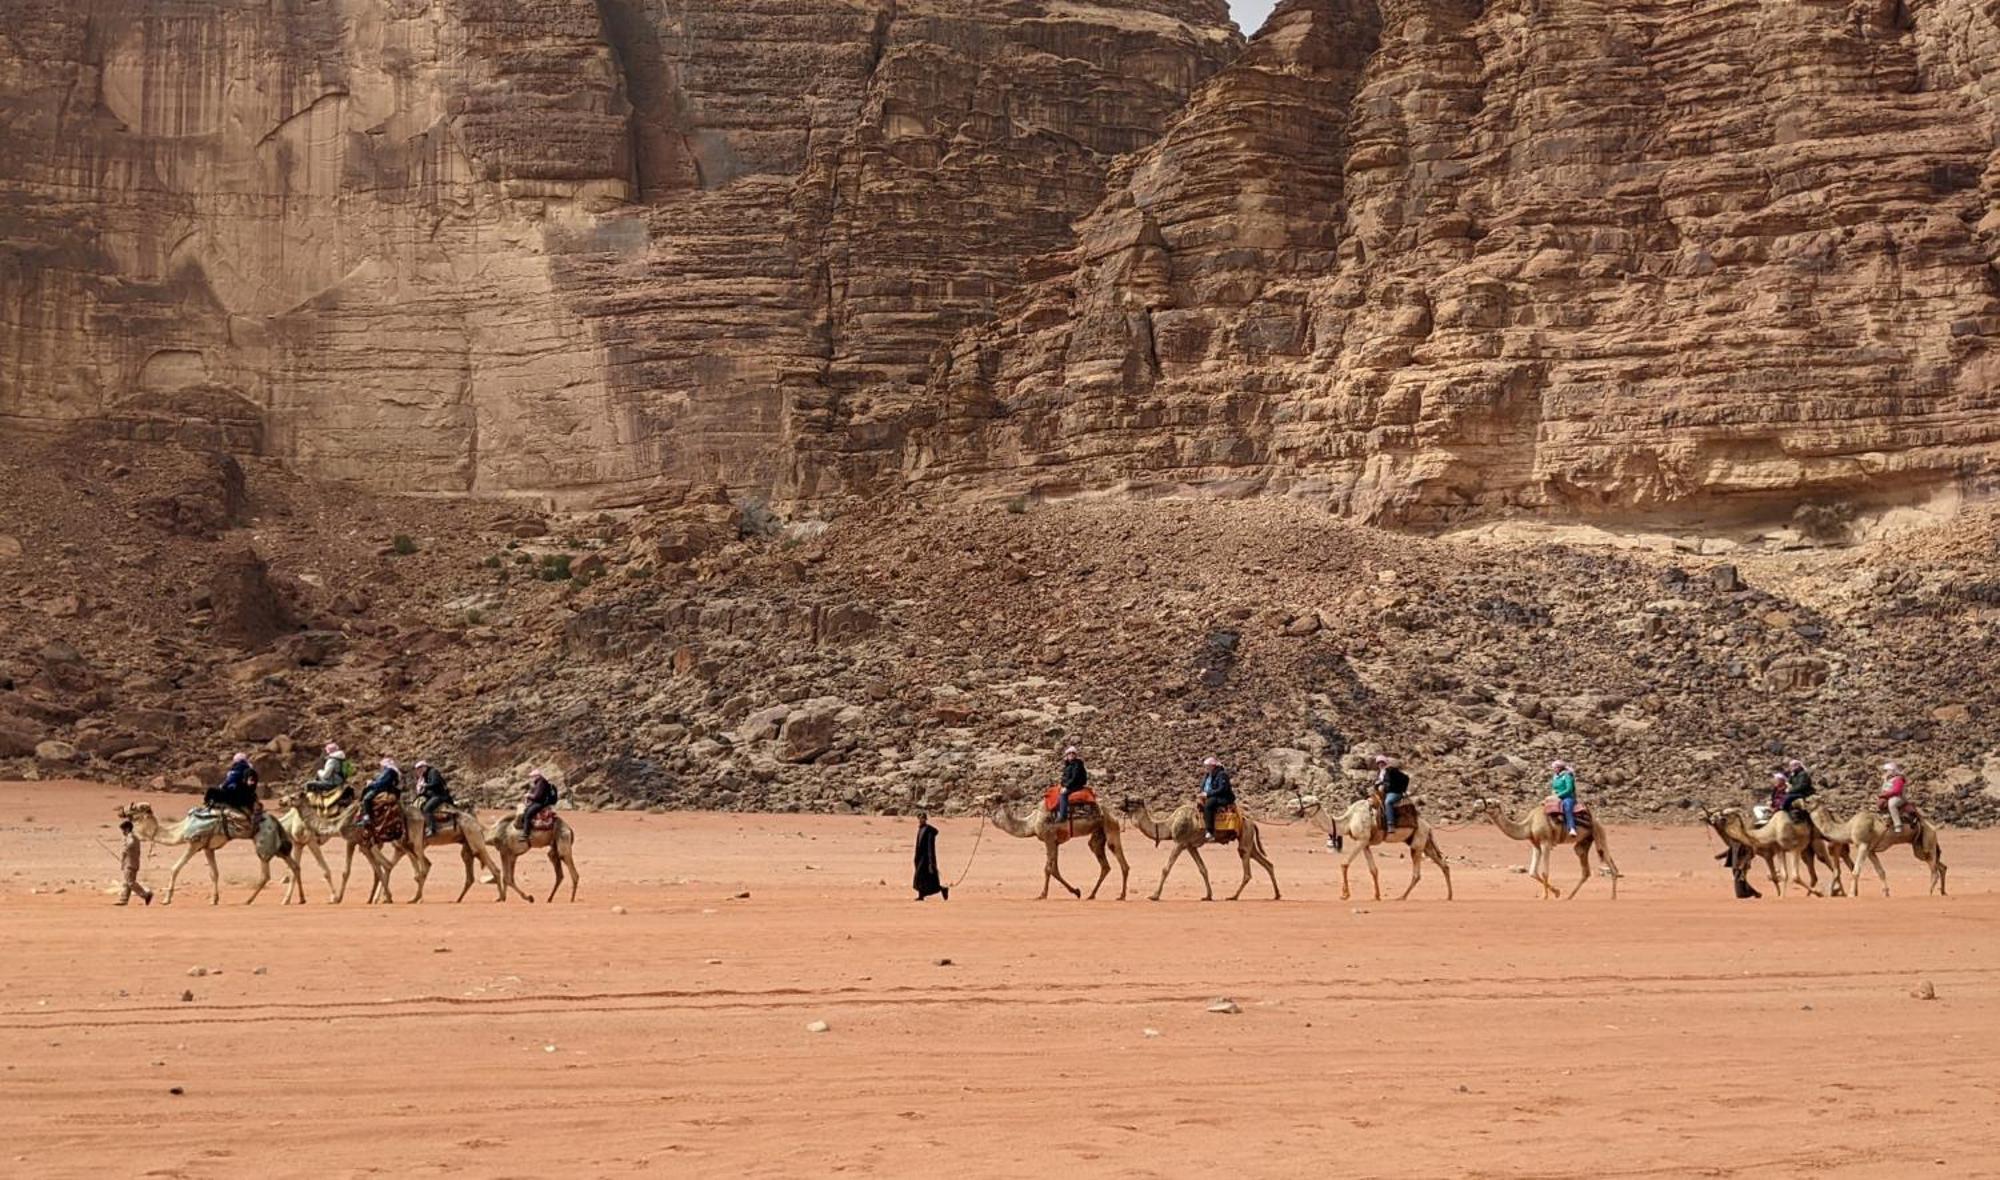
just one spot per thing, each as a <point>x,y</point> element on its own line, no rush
<point>1418,259</point>
<point>1433,258</point>
<point>544,245</point>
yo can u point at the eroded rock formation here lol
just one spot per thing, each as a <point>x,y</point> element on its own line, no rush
<point>542,245</point>
<point>1432,257</point>
<point>1421,259</point>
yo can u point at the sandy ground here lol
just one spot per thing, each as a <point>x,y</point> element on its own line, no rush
<point>1673,1032</point>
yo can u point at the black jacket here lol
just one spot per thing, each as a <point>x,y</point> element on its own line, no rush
<point>433,785</point>
<point>1074,776</point>
<point>1395,782</point>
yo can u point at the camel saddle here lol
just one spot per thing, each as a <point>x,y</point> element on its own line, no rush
<point>328,798</point>
<point>384,821</point>
<point>1406,812</point>
<point>1909,809</point>
<point>1553,808</point>
<point>1052,798</point>
<point>545,820</point>
<point>236,823</point>
<point>1228,821</point>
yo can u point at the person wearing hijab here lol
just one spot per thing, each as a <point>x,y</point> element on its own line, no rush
<point>1562,784</point>
<point>1074,778</point>
<point>1894,794</point>
<point>388,781</point>
<point>927,881</point>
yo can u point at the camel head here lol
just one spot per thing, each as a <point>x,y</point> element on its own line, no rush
<point>1487,805</point>
<point>143,820</point>
<point>1131,806</point>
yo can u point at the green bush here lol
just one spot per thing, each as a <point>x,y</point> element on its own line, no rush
<point>492,561</point>
<point>555,567</point>
<point>474,616</point>
<point>1017,505</point>
<point>403,544</point>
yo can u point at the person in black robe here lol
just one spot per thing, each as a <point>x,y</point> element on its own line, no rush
<point>927,882</point>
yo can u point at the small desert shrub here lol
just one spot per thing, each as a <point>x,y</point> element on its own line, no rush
<point>403,544</point>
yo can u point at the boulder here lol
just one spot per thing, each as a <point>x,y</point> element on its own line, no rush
<point>18,736</point>
<point>257,725</point>
<point>55,751</point>
<point>809,730</point>
<point>248,611</point>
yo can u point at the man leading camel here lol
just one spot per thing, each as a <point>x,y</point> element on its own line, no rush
<point>1216,794</point>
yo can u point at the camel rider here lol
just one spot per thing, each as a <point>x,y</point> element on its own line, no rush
<point>435,795</point>
<point>541,797</point>
<point>1798,784</point>
<point>1074,777</point>
<point>1894,794</point>
<point>333,772</point>
<point>388,781</point>
<point>1779,785</point>
<point>238,789</point>
<point>1216,793</point>
<point>1562,784</point>
<point>1394,784</point>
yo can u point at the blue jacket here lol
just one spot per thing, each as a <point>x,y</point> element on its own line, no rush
<point>388,780</point>
<point>1215,784</point>
<point>240,778</point>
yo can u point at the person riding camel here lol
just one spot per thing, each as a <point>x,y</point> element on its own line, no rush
<point>1562,784</point>
<point>389,781</point>
<point>435,795</point>
<point>1074,778</point>
<point>1763,812</point>
<point>335,771</point>
<point>1216,794</point>
<point>238,789</point>
<point>1798,784</point>
<point>1894,796</point>
<point>1394,784</point>
<point>541,797</point>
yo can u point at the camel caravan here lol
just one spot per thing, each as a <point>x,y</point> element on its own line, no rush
<point>379,824</point>
<point>1793,833</point>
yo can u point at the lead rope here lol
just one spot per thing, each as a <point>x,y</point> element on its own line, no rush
<point>976,838</point>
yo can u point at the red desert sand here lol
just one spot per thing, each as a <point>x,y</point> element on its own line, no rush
<point>660,1025</point>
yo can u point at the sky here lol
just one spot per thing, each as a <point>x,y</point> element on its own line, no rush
<point>1250,14</point>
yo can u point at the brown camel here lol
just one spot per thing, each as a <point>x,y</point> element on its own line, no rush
<point>461,828</point>
<point>1870,831</point>
<point>317,818</point>
<point>206,833</point>
<point>1184,828</point>
<point>1357,830</point>
<point>506,838</point>
<point>1085,819</point>
<point>1545,833</point>
<point>1780,837</point>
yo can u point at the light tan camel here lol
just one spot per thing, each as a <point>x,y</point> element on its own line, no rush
<point>1545,833</point>
<point>1087,820</point>
<point>316,818</point>
<point>1780,837</point>
<point>505,837</point>
<point>205,834</point>
<point>460,827</point>
<point>1357,830</point>
<point>1184,828</point>
<point>1870,831</point>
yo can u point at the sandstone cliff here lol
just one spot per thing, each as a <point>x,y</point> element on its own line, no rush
<point>541,245</point>
<point>1427,258</point>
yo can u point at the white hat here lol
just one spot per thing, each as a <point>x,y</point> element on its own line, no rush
<point>1893,767</point>
<point>1211,760</point>
<point>388,764</point>
<point>239,758</point>
<point>333,747</point>
<point>1069,752</point>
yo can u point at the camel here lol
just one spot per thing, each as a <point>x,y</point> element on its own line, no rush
<point>1545,833</point>
<point>205,834</point>
<point>1359,827</point>
<point>1086,819</point>
<point>1184,828</point>
<point>460,827</point>
<point>1780,836</point>
<point>317,818</point>
<point>505,837</point>
<point>1870,831</point>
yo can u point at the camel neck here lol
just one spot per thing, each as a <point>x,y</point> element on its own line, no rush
<point>1516,828</point>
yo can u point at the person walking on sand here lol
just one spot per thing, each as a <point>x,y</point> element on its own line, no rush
<point>128,861</point>
<point>927,881</point>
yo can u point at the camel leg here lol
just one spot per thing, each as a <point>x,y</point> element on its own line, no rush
<point>1243,858</point>
<point>319,856</point>
<point>389,863</point>
<point>1604,855</point>
<point>1171,858</point>
<point>1374,874</point>
<point>569,859</point>
<point>347,872</point>
<point>1103,862</point>
<point>419,859</point>
<point>1207,891</point>
<point>214,878</point>
<point>1258,855</point>
<point>1881,874</point>
<point>1053,869</point>
<point>174,874</point>
<point>1416,873</point>
<point>1437,858</point>
<point>555,862</point>
<point>263,879</point>
<point>1117,844</point>
<point>465,858</point>
<point>1582,863</point>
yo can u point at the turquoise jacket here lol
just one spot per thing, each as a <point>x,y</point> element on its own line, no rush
<point>1563,784</point>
